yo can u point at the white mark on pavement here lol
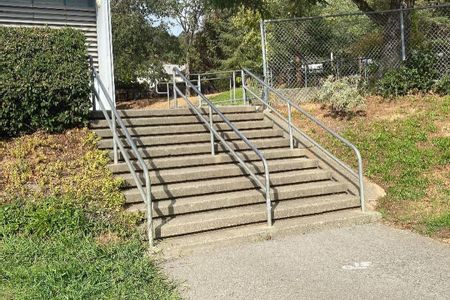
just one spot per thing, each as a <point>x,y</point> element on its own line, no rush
<point>358,266</point>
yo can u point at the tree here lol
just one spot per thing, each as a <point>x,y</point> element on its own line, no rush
<point>269,8</point>
<point>229,40</point>
<point>230,36</point>
<point>140,44</point>
<point>391,26</point>
<point>189,14</point>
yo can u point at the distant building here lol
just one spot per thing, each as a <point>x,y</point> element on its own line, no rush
<point>168,70</point>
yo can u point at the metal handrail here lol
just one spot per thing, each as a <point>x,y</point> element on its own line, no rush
<point>291,127</point>
<point>115,118</point>
<point>167,92</point>
<point>214,134</point>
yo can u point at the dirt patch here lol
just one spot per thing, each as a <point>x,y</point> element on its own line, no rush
<point>443,128</point>
<point>157,103</point>
<point>107,238</point>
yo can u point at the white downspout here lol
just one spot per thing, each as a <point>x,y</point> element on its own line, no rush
<point>105,50</point>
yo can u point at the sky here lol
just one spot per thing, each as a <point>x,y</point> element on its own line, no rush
<point>174,27</point>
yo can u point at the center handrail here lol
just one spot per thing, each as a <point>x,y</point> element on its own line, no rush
<point>209,124</point>
<point>267,87</point>
<point>115,118</point>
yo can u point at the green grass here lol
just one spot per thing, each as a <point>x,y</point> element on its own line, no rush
<point>223,98</point>
<point>63,231</point>
<point>438,223</point>
<point>410,158</point>
<point>56,250</point>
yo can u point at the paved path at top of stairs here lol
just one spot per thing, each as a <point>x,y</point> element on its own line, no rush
<point>361,262</point>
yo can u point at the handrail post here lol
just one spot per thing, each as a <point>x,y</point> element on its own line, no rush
<point>211,123</point>
<point>234,86</point>
<point>361,182</point>
<point>231,89</point>
<point>168,94</point>
<point>115,154</point>
<point>291,140</point>
<point>174,89</point>
<point>199,84</point>
<point>268,200</point>
<point>149,208</point>
<point>244,92</point>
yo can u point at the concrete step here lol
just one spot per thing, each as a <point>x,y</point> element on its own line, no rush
<point>191,138</point>
<point>205,187</point>
<point>203,148</point>
<point>140,113</point>
<point>218,171</point>
<point>191,204</point>
<point>208,159</point>
<point>242,215</point>
<point>173,247</point>
<point>159,121</point>
<point>186,128</point>
<point>195,193</point>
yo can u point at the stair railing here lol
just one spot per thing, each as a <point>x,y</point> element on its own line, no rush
<point>98,87</point>
<point>265,187</point>
<point>291,127</point>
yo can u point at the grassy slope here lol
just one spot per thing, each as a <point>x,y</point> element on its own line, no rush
<point>406,149</point>
<point>63,234</point>
<point>224,98</point>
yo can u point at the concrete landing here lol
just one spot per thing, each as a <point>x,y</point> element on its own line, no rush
<point>370,261</point>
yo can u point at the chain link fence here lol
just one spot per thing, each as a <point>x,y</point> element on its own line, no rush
<point>300,53</point>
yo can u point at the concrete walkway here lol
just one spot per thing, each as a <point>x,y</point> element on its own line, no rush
<point>361,262</point>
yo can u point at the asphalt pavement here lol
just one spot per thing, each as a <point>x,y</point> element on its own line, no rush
<point>371,261</point>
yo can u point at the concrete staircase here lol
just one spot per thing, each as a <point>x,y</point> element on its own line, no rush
<point>195,192</point>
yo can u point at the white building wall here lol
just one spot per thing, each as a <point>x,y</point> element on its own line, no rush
<point>105,51</point>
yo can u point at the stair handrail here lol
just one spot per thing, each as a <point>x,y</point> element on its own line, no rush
<point>266,87</point>
<point>115,118</point>
<point>210,125</point>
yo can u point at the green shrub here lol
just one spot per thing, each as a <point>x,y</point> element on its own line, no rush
<point>44,80</point>
<point>417,75</point>
<point>341,93</point>
<point>68,165</point>
<point>442,86</point>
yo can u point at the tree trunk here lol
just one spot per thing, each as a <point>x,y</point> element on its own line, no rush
<point>187,70</point>
<point>390,22</point>
<point>392,47</point>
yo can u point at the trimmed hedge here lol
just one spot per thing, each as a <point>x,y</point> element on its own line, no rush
<point>44,80</point>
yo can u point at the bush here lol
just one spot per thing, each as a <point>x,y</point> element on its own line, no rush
<point>44,80</point>
<point>442,86</point>
<point>417,75</point>
<point>66,165</point>
<point>341,93</point>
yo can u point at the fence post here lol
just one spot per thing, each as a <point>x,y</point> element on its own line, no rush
<point>264,50</point>
<point>402,33</point>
